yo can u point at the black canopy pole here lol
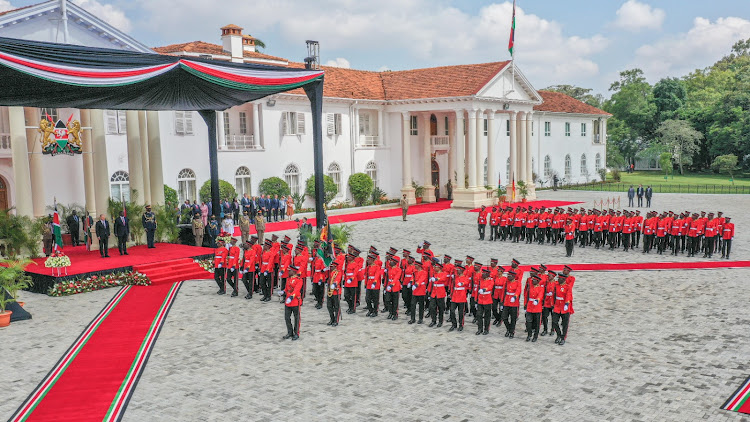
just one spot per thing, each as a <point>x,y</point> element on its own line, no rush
<point>209,116</point>
<point>314,92</point>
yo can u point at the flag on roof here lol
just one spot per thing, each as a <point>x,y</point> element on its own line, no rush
<point>511,41</point>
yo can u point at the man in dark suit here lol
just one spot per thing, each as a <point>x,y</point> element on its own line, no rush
<point>74,227</point>
<point>122,231</point>
<point>631,195</point>
<point>226,208</point>
<point>102,233</point>
<point>640,192</point>
<point>649,194</point>
<point>275,206</point>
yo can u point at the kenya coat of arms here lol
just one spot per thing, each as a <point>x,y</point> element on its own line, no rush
<point>60,138</point>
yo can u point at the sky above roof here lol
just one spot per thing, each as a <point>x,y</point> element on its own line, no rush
<point>584,43</point>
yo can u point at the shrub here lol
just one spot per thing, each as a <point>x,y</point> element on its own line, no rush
<point>378,196</point>
<point>298,199</point>
<point>226,191</point>
<point>170,197</point>
<point>166,223</point>
<point>273,186</point>
<point>361,186</point>
<point>602,174</point>
<point>616,176</point>
<point>329,188</point>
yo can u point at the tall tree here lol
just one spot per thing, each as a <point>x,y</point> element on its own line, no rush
<point>633,111</point>
<point>580,94</point>
<point>669,97</point>
<point>681,140</point>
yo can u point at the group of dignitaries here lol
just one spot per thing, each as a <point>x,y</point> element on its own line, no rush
<point>491,294</point>
<point>669,232</point>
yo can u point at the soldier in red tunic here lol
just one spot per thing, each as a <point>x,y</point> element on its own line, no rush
<point>249,259</point>
<point>233,265</point>
<point>437,286</point>
<point>727,235</point>
<point>393,288</point>
<point>220,262</point>
<point>293,293</point>
<point>533,305</point>
<point>498,293</point>
<point>484,303</point>
<point>510,304</point>
<point>562,309</point>
<point>549,300</point>
<point>320,275</point>
<point>268,262</point>
<point>419,291</point>
<point>334,293</point>
<point>373,278</point>
<point>458,298</point>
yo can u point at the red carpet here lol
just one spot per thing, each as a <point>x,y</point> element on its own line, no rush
<point>83,261</point>
<point>739,401</point>
<point>94,380</point>
<point>537,204</point>
<point>173,271</point>
<point>357,216</point>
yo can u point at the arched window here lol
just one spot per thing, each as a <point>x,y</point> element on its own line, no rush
<point>598,161</point>
<point>119,186</point>
<point>547,166</point>
<point>291,177</point>
<point>242,182</point>
<point>568,170</point>
<point>334,171</point>
<point>186,185</point>
<point>584,167</point>
<point>507,170</point>
<point>486,182</point>
<point>372,170</point>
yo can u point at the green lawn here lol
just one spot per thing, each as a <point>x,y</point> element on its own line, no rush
<point>689,183</point>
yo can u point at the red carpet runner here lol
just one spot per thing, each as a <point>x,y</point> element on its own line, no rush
<point>96,377</point>
<point>739,401</point>
<point>173,271</point>
<point>359,216</point>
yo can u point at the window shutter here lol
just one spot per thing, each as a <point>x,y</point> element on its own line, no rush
<point>338,124</point>
<point>111,116</point>
<point>300,123</point>
<point>285,123</point>
<point>188,115</point>
<point>330,124</point>
<point>122,121</point>
<point>179,123</point>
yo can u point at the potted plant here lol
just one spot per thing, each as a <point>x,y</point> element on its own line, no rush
<point>418,191</point>
<point>523,190</point>
<point>12,279</point>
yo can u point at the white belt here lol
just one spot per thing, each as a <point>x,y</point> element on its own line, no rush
<point>371,277</point>
<point>318,271</point>
<point>510,294</point>
<point>439,285</point>
<point>349,273</point>
<point>459,288</point>
<point>559,298</point>
<point>484,293</point>
<point>230,257</point>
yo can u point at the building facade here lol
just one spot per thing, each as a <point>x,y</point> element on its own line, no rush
<point>476,125</point>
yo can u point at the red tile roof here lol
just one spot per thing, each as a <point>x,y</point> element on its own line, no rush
<point>201,47</point>
<point>557,102</point>
<point>17,9</point>
<point>439,82</point>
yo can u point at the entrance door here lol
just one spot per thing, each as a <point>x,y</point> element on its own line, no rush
<point>3,194</point>
<point>436,178</point>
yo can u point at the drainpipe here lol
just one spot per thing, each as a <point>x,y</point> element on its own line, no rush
<point>64,13</point>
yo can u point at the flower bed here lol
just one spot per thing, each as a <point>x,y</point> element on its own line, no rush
<point>89,284</point>
<point>207,264</point>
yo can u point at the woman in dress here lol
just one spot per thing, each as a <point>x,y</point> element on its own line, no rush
<point>290,207</point>
<point>204,213</point>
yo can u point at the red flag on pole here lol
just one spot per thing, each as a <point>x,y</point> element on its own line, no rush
<point>512,39</point>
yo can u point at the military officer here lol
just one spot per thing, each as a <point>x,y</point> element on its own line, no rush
<point>249,261</point>
<point>484,303</point>
<point>233,266</point>
<point>534,304</point>
<point>198,230</point>
<point>562,309</point>
<point>149,224</point>
<point>373,278</point>
<point>220,262</point>
<point>293,293</point>
<point>213,230</point>
<point>334,294</point>
<point>244,226</point>
<point>458,298</point>
<point>510,304</point>
<point>439,281</point>
<point>727,235</point>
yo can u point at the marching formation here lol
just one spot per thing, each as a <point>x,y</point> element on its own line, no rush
<point>666,232</point>
<point>491,294</point>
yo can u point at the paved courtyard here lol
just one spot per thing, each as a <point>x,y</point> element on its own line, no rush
<point>667,345</point>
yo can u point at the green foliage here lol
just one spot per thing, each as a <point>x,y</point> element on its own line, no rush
<point>419,189</point>
<point>726,164</point>
<point>669,98</point>
<point>226,191</point>
<point>634,113</point>
<point>273,186</point>
<point>581,94</point>
<point>298,199</point>
<point>20,233</point>
<point>341,234</point>
<point>679,137</point>
<point>64,211</point>
<point>361,186</point>
<point>616,175</point>
<point>665,162</point>
<point>602,174</point>
<point>170,197</point>
<point>523,189</point>
<point>12,278</point>
<point>166,223</point>
<point>379,196</point>
<point>329,188</point>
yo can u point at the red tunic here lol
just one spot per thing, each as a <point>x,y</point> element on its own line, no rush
<point>420,283</point>
<point>563,299</point>
<point>512,293</point>
<point>293,291</point>
<point>438,286</point>
<point>394,280</point>
<point>334,283</point>
<point>460,286</point>
<point>319,270</point>
<point>535,299</point>
<point>220,257</point>
<point>248,261</point>
<point>499,288</point>
<point>351,274</point>
<point>267,262</point>
<point>549,294</point>
<point>485,291</point>
<point>728,231</point>
<point>373,277</point>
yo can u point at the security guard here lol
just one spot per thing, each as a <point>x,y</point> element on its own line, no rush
<point>244,226</point>
<point>198,229</point>
<point>293,293</point>
<point>334,294</point>
<point>149,224</point>
<point>458,298</point>
<point>220,262</point>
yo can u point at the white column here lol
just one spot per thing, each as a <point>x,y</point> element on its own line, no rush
<point>135,160</point>
<point>452,140</point>
<point>521,138</point>
<point>221,135</point>
<point>460,145</point>
<point>472,158</point>
<point>156,176</point>
<point>381,130</point>
<point>405,154</point>
<point>513,152</point>
<point>88,161</point>
<point>603,131</point>
<point>256,126</point>
<point>426,152</point>
<point>491,174</point>
<point>529,151</point>
<point>101,174</point>
<point>143,126</point>
<point>480,160</point>
<point>20,154</point>
<point>36,166</point>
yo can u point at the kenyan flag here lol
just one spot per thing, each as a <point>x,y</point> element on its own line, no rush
<point>56,230</point>
<point>511,41</point>
<point>325,251</point>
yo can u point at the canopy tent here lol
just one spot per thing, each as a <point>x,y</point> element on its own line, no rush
<point>39,74</point>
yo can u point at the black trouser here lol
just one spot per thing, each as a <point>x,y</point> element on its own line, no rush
<point>647,242</point>
<point>726,248</point>
<point>484,313</point>
<point>232,278</point>
<point>492,232</point>
<point>556,324</point>
<point>510,315</point>
<point>318,290</point>
<point>219,278</point>
<point>660,243</point>
<point>640,201</point>
<point>693,245</point>
<point>74,237</point>
<point>473,306</point>
<point>358,292</point>
<point>583,237</point>
<point>292,329</point>
<point>437,308</point>
<point>413,307</point>
<point>150,237</point>
<point>637,239</point>
<point>372,299</point>
<point>530,234</point>
<point>710,246</point>
<point>349,297</point>
<point>103,246</point>
<point>676,244</point>
<point>648,202</point>
<point>540,235</point>
<point>275,214</point>
<point>248,279</point>
<point>626,241</point>
<point>122,244</point>
<point>532,323</point>
<point>406,295</point>
<point>481,228</point>
<point>506,232</point>
<point>265,285</point>
<point>334,305</point>
<point>497,309</point>
<point>391,302</point>
<point>497,232</point>
<point>545,317</point>
<point>569,247</point>
<point>268,215</point>
<point>555,236</point>
<point>461,311</point>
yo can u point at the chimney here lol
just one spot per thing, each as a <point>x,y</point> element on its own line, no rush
<point>248,43</point>
<point>231,41</point>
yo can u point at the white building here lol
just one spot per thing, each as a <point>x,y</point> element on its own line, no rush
<point>482,123</point>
